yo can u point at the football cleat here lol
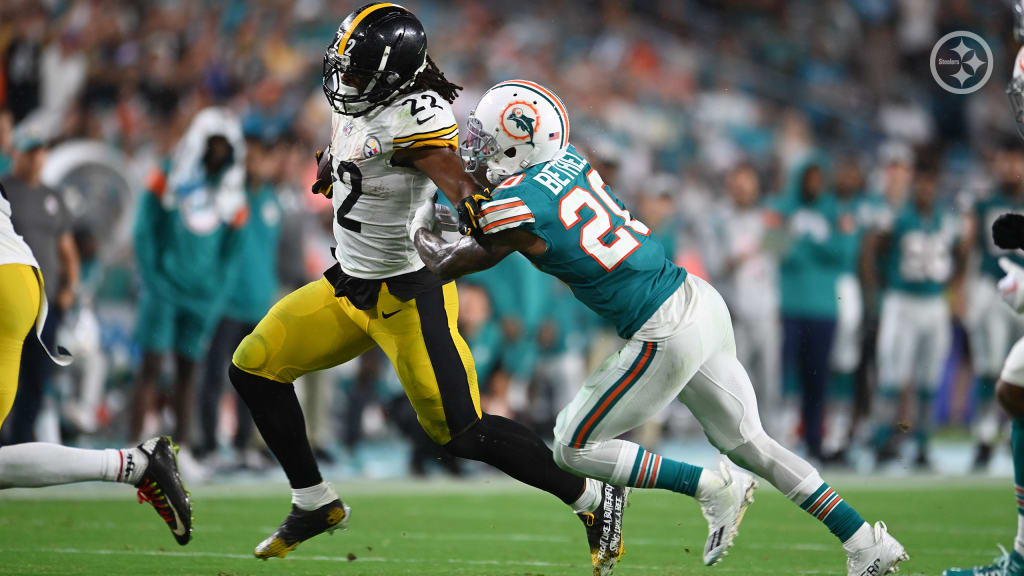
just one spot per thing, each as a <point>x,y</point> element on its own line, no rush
<point>724,510</point>
<point>882,557</point>
<point>1009,564</point>
<point>604,529</point>
<point>162,487</point>
<point>301,525</point>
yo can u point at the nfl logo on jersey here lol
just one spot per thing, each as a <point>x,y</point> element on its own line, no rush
<point>371,147</point>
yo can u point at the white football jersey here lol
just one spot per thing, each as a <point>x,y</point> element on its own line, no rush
<point>13,249</point>
<point>374,202</point>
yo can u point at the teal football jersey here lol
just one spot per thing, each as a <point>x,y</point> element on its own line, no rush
<point>920,255</point>
<point>594,245</point>
<point>985,213</point>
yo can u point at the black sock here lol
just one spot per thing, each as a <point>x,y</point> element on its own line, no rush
<point>515,450</point>
<point>278,416</point>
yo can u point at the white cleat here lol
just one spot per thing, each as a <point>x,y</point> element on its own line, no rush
<point>882,557</point>
<point>724,510</point>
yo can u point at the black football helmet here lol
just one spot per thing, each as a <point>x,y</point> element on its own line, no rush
<point>378,51</point>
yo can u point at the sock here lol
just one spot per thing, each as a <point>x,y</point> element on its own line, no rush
<point>925,419</point>
<point>826,505</point>
<point>40,464</point>
<point>313,497</point>
<point>885,411</point>
<point>1017,449</point>
<point>275,410</point>
<point>590,499</point>
<point>652,471</point>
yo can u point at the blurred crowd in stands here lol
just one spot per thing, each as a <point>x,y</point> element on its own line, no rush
<point>797,154</point>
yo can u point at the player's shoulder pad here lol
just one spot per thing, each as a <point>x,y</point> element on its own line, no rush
<point>423,120</point>
<point>509,206</point>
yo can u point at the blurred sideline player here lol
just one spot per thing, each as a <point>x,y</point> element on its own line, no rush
<point>550,205</point>
<point>912,261</point>
<point>189,233</point>
<point>1008,234</point>
<point>393,145</point>
<point>151,466</point>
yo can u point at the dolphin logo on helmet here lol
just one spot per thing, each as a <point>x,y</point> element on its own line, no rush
<point>501,129</point>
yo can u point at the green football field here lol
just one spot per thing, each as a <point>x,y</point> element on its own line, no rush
<point>486,528</point>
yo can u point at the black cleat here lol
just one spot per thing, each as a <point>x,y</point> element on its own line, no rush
<point>604,529</point>
<point>301,525</point>
<point>162,487</point>
<point>982,457</point>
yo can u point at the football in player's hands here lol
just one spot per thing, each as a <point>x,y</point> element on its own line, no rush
<point>324,174</point>
<point>469,211</point>
<point>1008,231</point>
<point>1011,287</point>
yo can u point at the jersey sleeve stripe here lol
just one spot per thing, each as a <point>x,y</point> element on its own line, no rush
<point>505,212</point>
<point>452,142</point>
<point>508,223</point>
<point>424,135</point>
<point>501,205</point>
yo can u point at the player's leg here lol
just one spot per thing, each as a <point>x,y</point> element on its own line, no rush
<point>306,331</point>
<point>1010,394</point>
<point>897,345</point>
<point>990,343</point>
<point>721,397</point>
<point>422,340</point>
<point>154,333</point>
<point>211,386</point>
<point>629,389</point>
<point>39,464</point>
<point>932,354</point>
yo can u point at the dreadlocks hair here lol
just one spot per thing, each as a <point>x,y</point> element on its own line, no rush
<point>431,78</point>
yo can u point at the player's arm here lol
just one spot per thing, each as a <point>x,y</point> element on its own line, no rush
<point>469,254</point>
<point>443,166</point>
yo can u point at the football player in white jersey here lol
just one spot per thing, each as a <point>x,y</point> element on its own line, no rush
<point>151,466</point>
<point>393,144</point>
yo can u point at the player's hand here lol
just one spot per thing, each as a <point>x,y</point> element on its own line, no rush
<point>1008,231</point>
<point>469,211</point>
<point>1011,287</point>
<point>324,174</point>
<point>424,218</point>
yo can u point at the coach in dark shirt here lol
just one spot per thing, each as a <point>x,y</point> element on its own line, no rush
<point>42,218</point>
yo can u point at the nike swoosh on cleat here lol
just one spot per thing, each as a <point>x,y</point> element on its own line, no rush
<point>179,528</point>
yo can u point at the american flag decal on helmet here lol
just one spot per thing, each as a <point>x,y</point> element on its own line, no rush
<point>554,135</point>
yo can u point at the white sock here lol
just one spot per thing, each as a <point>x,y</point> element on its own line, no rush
<point>313,497</point>
<point>1018,542</point>
<point>590,499</point>
<point>861,539</point>
<point>41,464</point>
<point>709,483</point>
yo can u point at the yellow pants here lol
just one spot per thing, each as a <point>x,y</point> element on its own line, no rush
<point>19,304</point>
<point>312,329</point>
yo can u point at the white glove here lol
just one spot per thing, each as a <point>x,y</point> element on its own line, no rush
<point>425,217</point>
<point>1012,285</point>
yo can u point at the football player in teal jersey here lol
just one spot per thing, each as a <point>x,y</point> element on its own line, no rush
<point>918,253</point>
<point>550,205</point>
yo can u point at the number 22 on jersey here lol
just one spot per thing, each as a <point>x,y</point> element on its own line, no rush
<point>608,255</point>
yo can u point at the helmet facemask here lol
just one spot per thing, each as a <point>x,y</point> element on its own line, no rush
<point>479,148</point>
<point>355,91</point>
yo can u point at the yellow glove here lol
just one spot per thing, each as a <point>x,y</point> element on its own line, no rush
<point>324,174</point>
<point>469,211</point>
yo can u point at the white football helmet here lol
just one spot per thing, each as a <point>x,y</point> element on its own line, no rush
<point>517,124</point>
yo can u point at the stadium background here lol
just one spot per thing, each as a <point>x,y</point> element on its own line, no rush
<point>676,102</point>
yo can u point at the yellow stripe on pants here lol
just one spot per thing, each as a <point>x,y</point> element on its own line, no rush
<point>19,305</point>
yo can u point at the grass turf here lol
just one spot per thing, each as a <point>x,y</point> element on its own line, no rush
<point>485,529</point>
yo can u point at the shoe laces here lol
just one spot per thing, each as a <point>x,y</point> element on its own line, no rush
<point>151,492</point>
